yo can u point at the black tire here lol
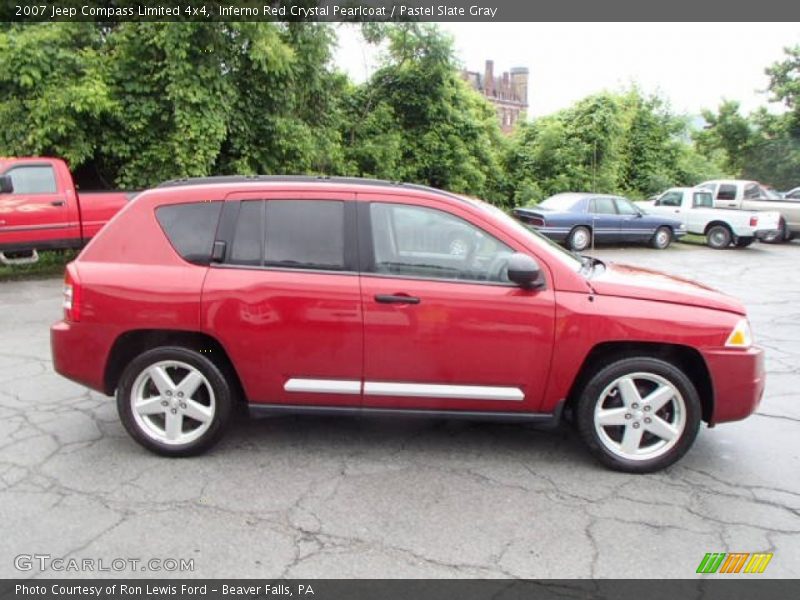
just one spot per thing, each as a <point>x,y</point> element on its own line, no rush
<point>662,238</point>
<point>579,238</point>
<point>779,236</point>
<point>719,237</point>
<point>213,395</point>
<point>744,242</point>
<point>683,408</point>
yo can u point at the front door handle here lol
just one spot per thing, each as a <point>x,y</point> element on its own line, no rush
<point>57,203</point>
<point>396,299</point>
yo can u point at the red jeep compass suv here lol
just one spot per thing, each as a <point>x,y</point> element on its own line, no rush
<point>307,295</point>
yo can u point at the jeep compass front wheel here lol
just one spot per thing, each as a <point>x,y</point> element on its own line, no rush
<point>639,414</point>
<point>174,401</point>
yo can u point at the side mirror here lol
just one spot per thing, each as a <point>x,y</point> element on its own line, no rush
<point>6,185</point>
<point>524,271</point>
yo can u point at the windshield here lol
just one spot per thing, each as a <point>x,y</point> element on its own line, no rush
<point>560,202</point>
<point>573,261</point>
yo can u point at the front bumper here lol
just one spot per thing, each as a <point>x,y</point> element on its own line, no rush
<point>738,378</point>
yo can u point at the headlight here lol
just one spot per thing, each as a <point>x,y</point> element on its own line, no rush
<point>740,337</point>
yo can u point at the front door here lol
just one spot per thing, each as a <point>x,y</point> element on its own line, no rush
<point>285,301</point>
<point>37,211</point>
<point>444,329</point>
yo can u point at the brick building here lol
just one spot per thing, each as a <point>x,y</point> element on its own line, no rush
<point>508,92</point>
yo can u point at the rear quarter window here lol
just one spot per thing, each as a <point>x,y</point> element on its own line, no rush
<point>726,192</point>
<point>191,228</point>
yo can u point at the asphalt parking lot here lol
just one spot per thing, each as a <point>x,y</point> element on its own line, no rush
<point>314,497</point>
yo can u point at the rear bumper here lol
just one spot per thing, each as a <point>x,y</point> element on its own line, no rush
<point>762,233</point>
<point>79,353</point>
<point>557,234</point>
<point>738,379</point>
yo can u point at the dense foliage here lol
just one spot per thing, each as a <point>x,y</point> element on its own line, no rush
<point>762,145</point>
<point>132,104</point>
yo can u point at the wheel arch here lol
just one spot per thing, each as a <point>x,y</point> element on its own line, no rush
<point>711,224</point>
<point>686,358</point>
<point>131,344</point>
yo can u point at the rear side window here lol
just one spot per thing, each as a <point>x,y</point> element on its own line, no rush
<point>248,239</point>
<point>726,192</point>
<point>39,179</point>
<point>305,234</point>
<point>300,234</point>
<point>190,228</point>
<point>602,206</point>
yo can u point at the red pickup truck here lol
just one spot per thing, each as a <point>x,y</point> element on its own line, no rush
<point>40,208</point>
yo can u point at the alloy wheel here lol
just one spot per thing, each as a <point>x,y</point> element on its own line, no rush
<point>640,416</point>
<point>172,402</point>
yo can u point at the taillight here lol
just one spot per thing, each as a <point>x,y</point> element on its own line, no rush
<point>72,297</point>
<point>753,221</point>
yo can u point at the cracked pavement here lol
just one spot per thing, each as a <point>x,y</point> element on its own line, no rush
<point>336,497</point>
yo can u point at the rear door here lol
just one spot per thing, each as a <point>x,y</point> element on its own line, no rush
<point>284,297</point>
<point>726,196</point>
<point>37,214</point>
<point>444,329</point>
<point>606,221</point>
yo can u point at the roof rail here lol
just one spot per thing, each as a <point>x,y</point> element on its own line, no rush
<point>189,181</point>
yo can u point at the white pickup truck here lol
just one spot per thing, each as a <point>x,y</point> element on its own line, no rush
<point>751,195</point>
<point>722,227</point>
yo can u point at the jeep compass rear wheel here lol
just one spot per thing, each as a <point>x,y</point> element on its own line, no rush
<point>639,414</point>
<point>174,401</point>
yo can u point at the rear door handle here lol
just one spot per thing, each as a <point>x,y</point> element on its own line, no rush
<point>396,299</point>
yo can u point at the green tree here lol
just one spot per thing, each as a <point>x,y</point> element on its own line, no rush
<point>144,102</point>
<point>726,136</point>
<point>416,120</point>
<point>784,85</point>
<point>53,90</point>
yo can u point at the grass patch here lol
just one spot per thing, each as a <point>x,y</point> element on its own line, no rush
<point>693,238</point>
<point>51,263</point>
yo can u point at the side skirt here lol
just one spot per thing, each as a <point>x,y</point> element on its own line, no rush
<point>544,420</point>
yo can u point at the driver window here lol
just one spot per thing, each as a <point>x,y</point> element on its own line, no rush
<point>625,207</point>
<point>670,199</point>
<point>419,242</point>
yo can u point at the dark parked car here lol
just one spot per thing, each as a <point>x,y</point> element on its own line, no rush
<point>574,218</point>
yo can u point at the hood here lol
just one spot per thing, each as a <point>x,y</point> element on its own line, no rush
<point>635,282</point>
